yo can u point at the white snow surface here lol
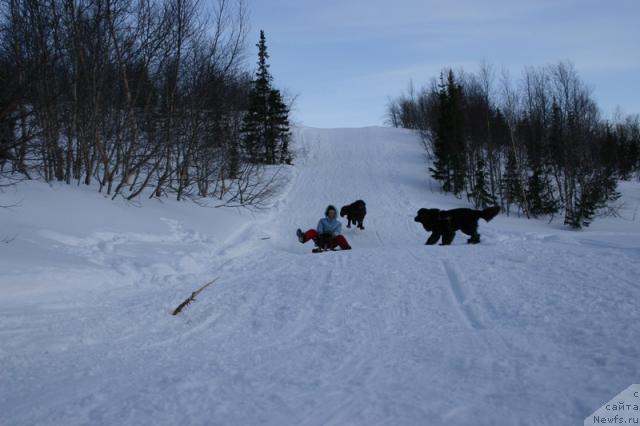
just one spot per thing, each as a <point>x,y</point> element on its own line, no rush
<point>537,325</point>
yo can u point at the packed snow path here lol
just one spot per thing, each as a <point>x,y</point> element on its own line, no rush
<point>534,326</point>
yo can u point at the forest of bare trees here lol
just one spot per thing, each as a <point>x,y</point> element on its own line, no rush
<point>538,147</point>
<point>132,96</point>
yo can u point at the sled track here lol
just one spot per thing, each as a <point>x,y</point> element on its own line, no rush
<point>456,288</point>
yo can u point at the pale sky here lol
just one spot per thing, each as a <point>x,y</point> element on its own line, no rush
<point>344,59</point>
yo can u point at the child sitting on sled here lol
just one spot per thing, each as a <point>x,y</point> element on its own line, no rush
<point>327,235</point>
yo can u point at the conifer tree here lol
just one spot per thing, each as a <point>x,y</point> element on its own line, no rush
<point>279,127</point>
<point>596,192</point>
<point>511,186</point>
<point>448,146</point>
<point>266,124</point>
<point>539,196</point>
<point>458,148</point>
<point>480,193</point>
<point>441,161</point>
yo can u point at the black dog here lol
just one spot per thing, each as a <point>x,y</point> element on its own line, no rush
<point>355,212</point>
<point>445,223</point>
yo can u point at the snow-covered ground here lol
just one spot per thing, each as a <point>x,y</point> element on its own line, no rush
<point>538,325</point>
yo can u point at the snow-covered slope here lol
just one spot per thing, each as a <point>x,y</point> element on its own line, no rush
<point>535,326</point>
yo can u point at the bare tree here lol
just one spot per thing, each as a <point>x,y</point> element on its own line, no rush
<point>138,96</point>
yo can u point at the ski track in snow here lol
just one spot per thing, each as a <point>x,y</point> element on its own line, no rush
<point>534,326</point>
<point>456,287</point>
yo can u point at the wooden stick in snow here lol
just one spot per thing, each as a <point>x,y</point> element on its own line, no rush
<point>192,298</point>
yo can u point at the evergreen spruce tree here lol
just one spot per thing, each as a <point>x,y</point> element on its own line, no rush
<point>544,153</point>
<point>596,192</point>
<point>480,194</point>
<point>539,195</point>
<point>457,149</point>
<point>511,185</point>
<point>279,114</point>
<point>266,124</point>
<point>449,162</point>
<point>441,158</point>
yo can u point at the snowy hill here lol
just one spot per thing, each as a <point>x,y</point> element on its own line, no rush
<point>537,325</point>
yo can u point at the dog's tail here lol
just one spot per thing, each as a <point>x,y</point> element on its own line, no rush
<point>489,213</point>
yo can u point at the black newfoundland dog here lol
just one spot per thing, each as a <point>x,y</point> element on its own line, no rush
<point>445,223</point>
<point>355,212</point>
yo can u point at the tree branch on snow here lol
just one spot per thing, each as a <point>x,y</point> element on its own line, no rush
<point>192,298</point>
<point>7,240</point>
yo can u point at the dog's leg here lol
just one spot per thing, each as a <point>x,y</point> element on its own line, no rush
<point>435,236</point>
<point>447,237</point>
<point>360,223</point>
<point>475,237</point>
<point>348,222</point>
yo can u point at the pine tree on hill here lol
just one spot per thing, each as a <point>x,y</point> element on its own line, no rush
<point>458,148</point>
<point>279,129</point>
<point>539,196</point>
<point>597,191</point>
<point>266,124</point>
<point>449,152</point>
<point>480,194</point>
<point>511,182</point>
<point>441,146</point>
